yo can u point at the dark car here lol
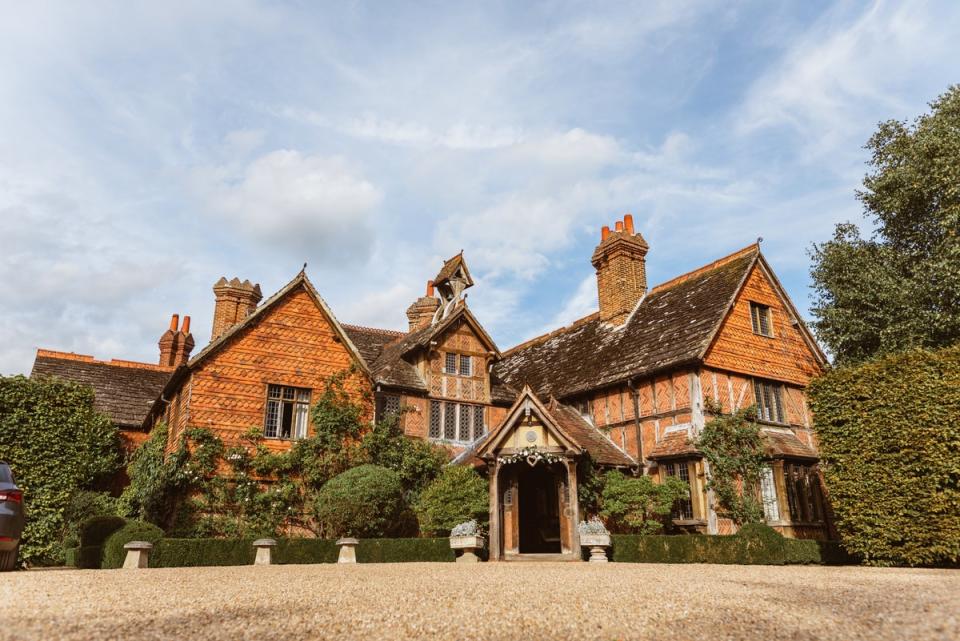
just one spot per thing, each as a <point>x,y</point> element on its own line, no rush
<point>11,518</point>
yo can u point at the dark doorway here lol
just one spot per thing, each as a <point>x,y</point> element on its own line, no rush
<point>539,510</point>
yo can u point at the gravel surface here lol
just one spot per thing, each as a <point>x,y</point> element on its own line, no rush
<point>485,601</point>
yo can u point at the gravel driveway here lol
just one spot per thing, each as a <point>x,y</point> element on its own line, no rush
<point>486,601</point>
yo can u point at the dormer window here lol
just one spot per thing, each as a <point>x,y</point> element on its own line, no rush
<point>458,364</point>
<point>760,316</point>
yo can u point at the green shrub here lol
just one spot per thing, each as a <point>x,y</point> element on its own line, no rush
<point>416,461</point>
<point>179,553</point>
<point>457,495</point>
<point>637,504</point>
<point>305,551</point>
<point>70,556</point>
<point>404,550</point>
<point>754,545</point>
<point>364,501</point>
<point>84,504</point>
<point>91,534</point>
<point>113,552</point>
<point>889,435</point>
<point>55,442</point>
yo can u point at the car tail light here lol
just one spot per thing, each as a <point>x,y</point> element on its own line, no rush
<point>11,495</point>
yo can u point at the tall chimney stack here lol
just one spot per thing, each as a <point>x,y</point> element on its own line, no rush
<point>420,313</point>
<point>620,261</point>
<point>235,301</point>
<point>176,343</point>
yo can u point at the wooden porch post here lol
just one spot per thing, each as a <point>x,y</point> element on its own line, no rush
<point>574,503</point>
<point>493,468</point>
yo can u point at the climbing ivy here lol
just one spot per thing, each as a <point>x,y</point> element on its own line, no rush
<point>56,443</point>
<point>732,446</point>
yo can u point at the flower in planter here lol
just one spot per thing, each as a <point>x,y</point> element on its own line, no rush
<point>592,527</point>
<point>467,528</point>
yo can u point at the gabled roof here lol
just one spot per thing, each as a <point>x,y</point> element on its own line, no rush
<point>450,267</point>
<point>672,325</point>
<point>777,443</point>
<point>564,422</point>
<point>300,280</point>
<point>123,390</point>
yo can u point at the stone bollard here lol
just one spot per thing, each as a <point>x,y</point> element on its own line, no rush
<point>138,553</point>
<point>264,551</point>
<point>348,550</point>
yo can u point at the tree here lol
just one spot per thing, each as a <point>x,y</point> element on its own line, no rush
<point>733,448</point>
<point>457,495</point>
<point>637,504</point>
<point>901,287</point>
<point>56,443</point>
<point>364,501</point>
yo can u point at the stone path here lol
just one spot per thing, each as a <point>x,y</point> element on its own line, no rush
<point>486,601</point>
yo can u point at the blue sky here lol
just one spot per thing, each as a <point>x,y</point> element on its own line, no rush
<point>146,149</point>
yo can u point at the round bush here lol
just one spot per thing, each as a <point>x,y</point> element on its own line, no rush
<point>96,529</point>
<point>113,552</point>
<point>364,501</point>
<point>457,495</point>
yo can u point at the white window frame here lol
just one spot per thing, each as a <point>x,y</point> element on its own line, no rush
<point>280,400</point>
<point>771,410</point>
<point>464,416</point>
<point>761,315</point>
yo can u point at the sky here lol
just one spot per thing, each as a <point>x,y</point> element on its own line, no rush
<point>147,149</point>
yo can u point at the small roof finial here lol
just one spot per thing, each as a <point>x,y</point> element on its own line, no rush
<point>304,268</point>
<point>759,239</point>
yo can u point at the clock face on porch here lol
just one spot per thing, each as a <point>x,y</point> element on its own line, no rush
<point>531,436</point>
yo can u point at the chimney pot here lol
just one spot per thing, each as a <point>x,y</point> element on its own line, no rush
<point>186,325</point>
<point>619,226</point>
<point>621,271</point>
<point>628,223</point>
<point>604,232</point>
<point>430,289</point>
<point>174,322</point>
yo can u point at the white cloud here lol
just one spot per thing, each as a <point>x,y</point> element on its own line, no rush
<point>296,201</point>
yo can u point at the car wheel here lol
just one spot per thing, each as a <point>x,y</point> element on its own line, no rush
<point>8,560</point>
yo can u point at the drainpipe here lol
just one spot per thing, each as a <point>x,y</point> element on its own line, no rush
<point>635,393</point>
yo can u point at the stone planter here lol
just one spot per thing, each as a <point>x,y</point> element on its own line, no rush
<point>470,546</point>
<point>348,550</point>
<point>138,553</point>
<point>598,543</point>
<point>264,551</point>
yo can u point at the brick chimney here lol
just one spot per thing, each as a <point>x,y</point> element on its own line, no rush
<point>176,343</point>
<point>620,261</point>
<point>234,302</point>
<point>420,313</point>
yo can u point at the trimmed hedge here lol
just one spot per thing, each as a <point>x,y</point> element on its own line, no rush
<point>113,552</point>
<point>176,553</point>
<point>92,532</point>
<point>305,551</point>
<point>889,435</point>
<point>754,545</point>
<point>404,550</point>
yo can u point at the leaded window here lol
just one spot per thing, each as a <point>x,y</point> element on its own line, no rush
<point>465,419</point>
<point>769,401</point>
<point>450,366</point>
<point>803,493</point>
<point>457,422</point>
<point>387,405</point>
<point>465,365</point>
<point>683,508</point>
<point>287,413</point>
<point>436,419</point>
<point>479,429</point>
<point>450,421</point>
<point>760,317</point>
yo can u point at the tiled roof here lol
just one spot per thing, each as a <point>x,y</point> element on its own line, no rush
<point>450,267</point>
<point>672,325</point>
<point>602,450</point>
<point>785,444</point>
<point>370,340</point>
<point>123,390</point>
<point>673,445</point>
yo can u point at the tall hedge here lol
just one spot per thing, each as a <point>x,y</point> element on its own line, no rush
<point>889,434</point>
<point>56,443</point>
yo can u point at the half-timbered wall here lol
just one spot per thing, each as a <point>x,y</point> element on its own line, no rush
<point>475,388</point>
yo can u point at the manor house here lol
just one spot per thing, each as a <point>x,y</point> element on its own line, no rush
<point>629,386</point>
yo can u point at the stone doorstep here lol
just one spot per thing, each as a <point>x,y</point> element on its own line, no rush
<point>541,558</point>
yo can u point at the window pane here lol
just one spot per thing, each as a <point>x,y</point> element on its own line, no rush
<point>286,419</point>
<point>272,421</point>
<point>288,393</point>
<point>450,421</point>
<point>274,391</point>
<point>754,318</point>
<point>778,415</point>
<point>435,419</point>
<point>768,493</point>
<point>478,427</point>
<point>465,418</point>
<point>300,420</point>
<point>465,365</point>
<point>303,395</point>
<point>451,364</point>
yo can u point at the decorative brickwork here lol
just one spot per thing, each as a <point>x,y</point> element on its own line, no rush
<point>235,301</point>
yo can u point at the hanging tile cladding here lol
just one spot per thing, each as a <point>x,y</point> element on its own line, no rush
<point>602,450</point>
<point>673,325</point>
<point>125,393</point>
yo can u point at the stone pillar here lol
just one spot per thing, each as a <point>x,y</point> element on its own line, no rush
<point>348,550</point>
<point>493,468</point>
<point>138,553</point>
<point>264,551</point>
<point>571,464</point>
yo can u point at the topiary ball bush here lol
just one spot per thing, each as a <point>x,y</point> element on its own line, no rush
<point>457,495</point>
<point>113,552</point>
<point>96,529</point>
<point>364,502</point>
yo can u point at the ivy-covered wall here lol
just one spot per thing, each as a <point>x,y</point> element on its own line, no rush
<point>889,434</point>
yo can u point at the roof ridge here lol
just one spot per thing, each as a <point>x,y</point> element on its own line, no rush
<point>113,362</point>
<point>545,337</point>
<point>365,328</point>
<point>753,247</point>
